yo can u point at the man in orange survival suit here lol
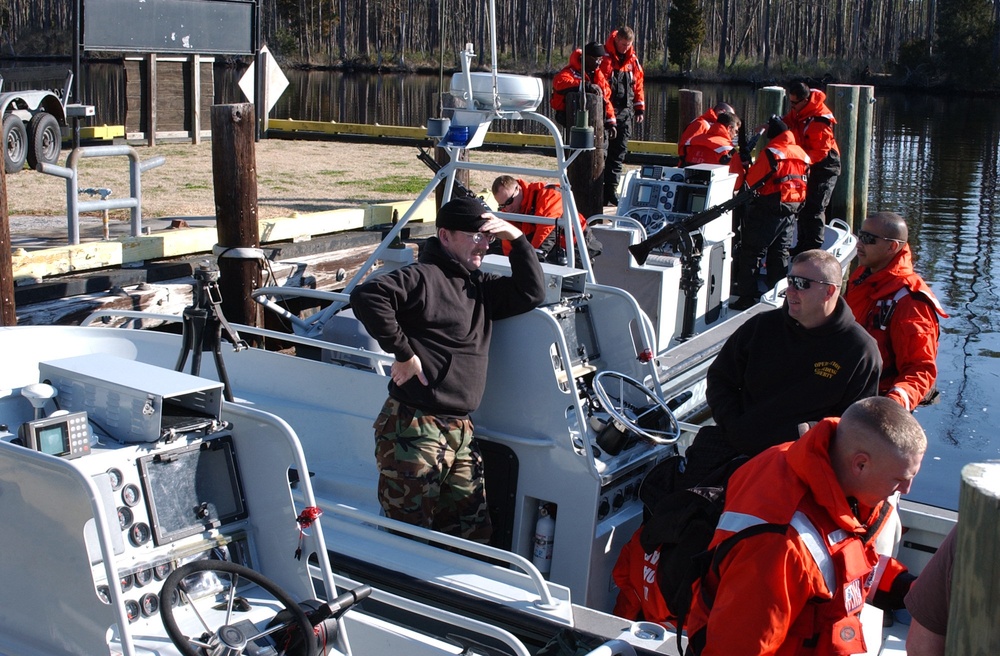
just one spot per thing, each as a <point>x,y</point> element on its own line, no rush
<point>537,199</point>
<point>767,230</point>
<point>568,80</point>
<point>812,123</point>
<point>806,514</point>
<point>897,308</point>
<point>716,146</point>
<point>701,125</point>
<point>626,80</point>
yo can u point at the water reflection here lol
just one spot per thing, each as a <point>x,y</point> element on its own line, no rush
<point>935,160</point>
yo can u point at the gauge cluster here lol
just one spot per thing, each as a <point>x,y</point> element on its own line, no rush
<point>148,552</point>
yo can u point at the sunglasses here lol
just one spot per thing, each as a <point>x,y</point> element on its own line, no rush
<point>800,283</point>
<point>506,203</point>
<point>481,237</point>
<point>868,238</point>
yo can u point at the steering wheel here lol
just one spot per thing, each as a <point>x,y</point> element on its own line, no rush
<point>653,220</point>
<point>228,639</point>
<point>636,408</point>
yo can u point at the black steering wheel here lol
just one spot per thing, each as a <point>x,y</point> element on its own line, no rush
<point>227,639</point>
<point>636,408</point>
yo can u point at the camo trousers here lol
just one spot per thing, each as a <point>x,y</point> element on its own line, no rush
<point>431,472</point>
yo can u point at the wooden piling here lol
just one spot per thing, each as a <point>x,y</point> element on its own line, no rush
<point>586,173</point>
<point>234,176</point>
<point>8,314</point>
<point>691,106</point>
<point>843,100</point>
<point>862,173</point>
<point>974,614</point>
<point>770,102</point>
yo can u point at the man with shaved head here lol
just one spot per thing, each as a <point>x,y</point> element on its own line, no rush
<point>894,304</point>
<point>701,125</point>
<point>794,556</point>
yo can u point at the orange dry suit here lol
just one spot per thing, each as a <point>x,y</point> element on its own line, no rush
<point>568,80</point>
<point>639,596</point>
<point>787,164</point>
<point>540,199</point>
<point>698,126</point>
<point>715,146</point>
<point>900,311</point>
<point>795,579</point>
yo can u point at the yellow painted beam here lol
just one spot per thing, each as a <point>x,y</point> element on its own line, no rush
<point>35,265</point>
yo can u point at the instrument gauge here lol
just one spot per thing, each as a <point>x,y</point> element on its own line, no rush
<point>130,494</point>
<point>104,593</point>
<point>143,576</point>
<point>126,582</point>
<point>125,517</point>
<point>117,478</point>
<point>149,604</point>
<point>139,534</point>
<point>132,609</point>
<point>162,571</point>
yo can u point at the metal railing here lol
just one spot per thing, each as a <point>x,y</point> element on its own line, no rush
<point>73,203</point>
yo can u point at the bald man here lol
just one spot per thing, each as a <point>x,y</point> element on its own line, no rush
<point>894,304</point>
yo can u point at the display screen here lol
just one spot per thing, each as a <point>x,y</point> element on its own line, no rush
<point>192,489</point>
<point>643,194</point>
<point>697,203</point>
<point>54,440</point>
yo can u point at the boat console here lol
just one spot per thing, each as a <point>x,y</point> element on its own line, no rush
<point>132,499</point>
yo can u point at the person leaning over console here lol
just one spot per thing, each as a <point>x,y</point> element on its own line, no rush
<point>898,309</point>
<point>793,557</point>
<point>436,317</point>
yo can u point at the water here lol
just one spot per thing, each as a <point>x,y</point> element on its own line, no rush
<point>935,161</point>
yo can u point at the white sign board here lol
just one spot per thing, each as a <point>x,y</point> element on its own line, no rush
<point>275,80</point>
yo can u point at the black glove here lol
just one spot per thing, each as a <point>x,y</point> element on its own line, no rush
<point>639,113</point>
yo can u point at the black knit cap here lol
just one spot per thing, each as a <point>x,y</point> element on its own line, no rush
<point>463,214</point>
<point>775,126</point>
<point>594,49</point>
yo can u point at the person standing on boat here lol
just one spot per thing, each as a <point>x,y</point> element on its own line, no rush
<point>436,317</point>
<point>568,81</point>
<point>796,364</point>
<point>625,77</point>
<point>538,199</point>
<point>897,308</point>
<point>793,559</point>
<point>770,217</point>
<point>700,126</point>
<point>812,123</point>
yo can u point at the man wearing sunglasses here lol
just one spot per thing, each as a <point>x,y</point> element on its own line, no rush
<point>436,317</point>
<point>796,364</point>
<point>898,309</point>
<point>538,199</point>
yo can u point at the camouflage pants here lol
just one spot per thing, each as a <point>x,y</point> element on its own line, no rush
<point>431,472</point>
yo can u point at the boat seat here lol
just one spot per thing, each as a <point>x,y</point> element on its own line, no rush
<point>346,329</point>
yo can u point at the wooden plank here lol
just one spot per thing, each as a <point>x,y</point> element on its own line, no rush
<point>65,259</point>
<point>308,225</point>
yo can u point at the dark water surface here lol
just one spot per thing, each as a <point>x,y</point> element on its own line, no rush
<point>935,161</point>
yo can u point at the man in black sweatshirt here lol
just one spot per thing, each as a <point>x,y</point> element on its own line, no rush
<point>436,317</point>
<point>796,364</point>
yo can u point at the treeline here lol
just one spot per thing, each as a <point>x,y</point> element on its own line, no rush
<point>939,41</point>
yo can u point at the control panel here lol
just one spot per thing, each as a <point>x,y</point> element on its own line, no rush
<point>66,435</point>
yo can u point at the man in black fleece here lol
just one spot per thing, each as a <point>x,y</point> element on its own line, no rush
<point>436,317</point>
<point>797,364</point>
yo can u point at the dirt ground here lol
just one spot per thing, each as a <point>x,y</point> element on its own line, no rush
<point>292,177</point>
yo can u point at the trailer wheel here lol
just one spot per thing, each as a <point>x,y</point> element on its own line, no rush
<point>46,139</point>
<point>15,142</point>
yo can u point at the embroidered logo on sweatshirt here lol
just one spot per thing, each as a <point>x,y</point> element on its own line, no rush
<point>826,369</point>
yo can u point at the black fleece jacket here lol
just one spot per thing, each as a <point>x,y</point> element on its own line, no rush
<point>441,312</point>
<point>773,374</point>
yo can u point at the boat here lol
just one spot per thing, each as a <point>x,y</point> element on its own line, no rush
<point>584,396</point>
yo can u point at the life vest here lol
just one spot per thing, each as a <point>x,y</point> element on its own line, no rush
<point>568,80</point>
<point>625,77</point>
<point>790,167</point>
